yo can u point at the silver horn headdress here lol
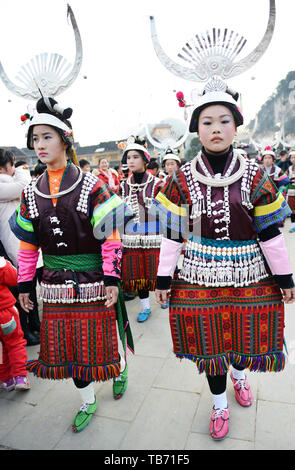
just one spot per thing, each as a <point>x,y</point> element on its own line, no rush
<point>52,73</point>
<point>212,56</point>
<point>214,52</point>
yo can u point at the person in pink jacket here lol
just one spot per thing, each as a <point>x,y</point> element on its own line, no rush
<point>13,355</point>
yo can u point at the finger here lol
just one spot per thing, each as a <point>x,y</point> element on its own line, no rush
<point>23,305</point>
<point>109,298</point>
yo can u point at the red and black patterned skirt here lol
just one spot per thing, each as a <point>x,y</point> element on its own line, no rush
<point>215,327</point>
<point>139,268</point>
<point>291,203</point>
<point>77,340</point>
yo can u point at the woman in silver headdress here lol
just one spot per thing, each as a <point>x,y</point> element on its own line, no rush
<point>171,162</point>
<point>142,238</point>
<point>74,218</point>
<point>226,308</point>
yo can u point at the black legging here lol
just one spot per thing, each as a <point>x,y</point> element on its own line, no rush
<point>143,294</point>
<point>217,383</point>
<point>292,218</point>
<point>80,383</point>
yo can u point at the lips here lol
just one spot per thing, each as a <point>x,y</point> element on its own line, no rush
<point>42,154</point>
<point>216,139</point>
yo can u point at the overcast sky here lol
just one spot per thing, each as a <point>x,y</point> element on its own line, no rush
<point>126,84</point>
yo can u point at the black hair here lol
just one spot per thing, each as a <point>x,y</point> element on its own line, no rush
<point>6,156</point>
<point>20,163</point>
<point>83,162</point>
<point>39,168</point>
<point>153,164</point>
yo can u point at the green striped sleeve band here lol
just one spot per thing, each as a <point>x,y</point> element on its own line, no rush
<point>111,215</point>
<point>23,228</point>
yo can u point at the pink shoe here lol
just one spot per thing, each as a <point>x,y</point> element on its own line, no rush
<point>242,391</point>
<point>21,383</point>
<point>8,385</point>
<point>219,423</point>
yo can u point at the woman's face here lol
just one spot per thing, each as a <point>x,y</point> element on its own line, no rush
<point>49,146</point>
<point>170,166</point>
<point>217,128</point>
<point>267,160</point>
<point>292,159</point>
<point>135,161</point>
<point>103,165</point>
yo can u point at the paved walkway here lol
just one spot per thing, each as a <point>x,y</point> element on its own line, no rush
<point>167,404</point>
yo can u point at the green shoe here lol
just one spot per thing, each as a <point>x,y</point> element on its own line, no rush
<point>120,384</point>
<point>83,416</point>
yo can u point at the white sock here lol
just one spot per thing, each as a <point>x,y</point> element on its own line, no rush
<point>122,363</point>
<point>145,304</point>
<point>220,401</point>
<point>87,394</point>
<point>122,367</point>
<point>238,374</point>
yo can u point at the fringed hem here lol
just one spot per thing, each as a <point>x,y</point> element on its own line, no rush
<point>67,371</point>
<point>219,365</point>
<point>139,284</point>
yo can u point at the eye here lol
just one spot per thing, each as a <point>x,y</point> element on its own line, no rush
<point>206,123</point>
<point>225,121</point>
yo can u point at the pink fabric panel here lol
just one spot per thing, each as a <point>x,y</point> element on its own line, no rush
<point>27,262</point>
<point>169,254</point>
<point>276,254</point>
<point>112,258</point>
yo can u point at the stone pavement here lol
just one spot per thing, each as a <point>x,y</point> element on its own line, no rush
<point>166,407</point>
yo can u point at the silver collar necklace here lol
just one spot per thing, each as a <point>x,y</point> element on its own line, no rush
<point>227,180</point>
<point>61,193</point>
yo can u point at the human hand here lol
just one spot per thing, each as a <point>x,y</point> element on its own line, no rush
<point>25,302</point>
<point>112,293</point>
<point>162,296</point>
<point>288,295</point>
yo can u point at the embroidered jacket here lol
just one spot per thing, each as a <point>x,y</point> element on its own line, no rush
<point>72,234</point>
<point>220,223</point>
<point>144,229</point>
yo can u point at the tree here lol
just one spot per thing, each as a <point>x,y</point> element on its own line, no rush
<point>194,148</point>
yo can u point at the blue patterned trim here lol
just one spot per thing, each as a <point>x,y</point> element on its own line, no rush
<point>20,233</point>
<point>277,217</point>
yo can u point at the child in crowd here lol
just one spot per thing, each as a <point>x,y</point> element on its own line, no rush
<point>13,355</point>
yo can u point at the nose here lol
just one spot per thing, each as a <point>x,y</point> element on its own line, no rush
<point>216,128</point>
<point>41,143</point>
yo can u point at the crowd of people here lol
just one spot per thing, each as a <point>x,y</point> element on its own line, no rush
<point>93,238</point>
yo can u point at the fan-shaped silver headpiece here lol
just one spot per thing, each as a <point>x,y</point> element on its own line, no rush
<point>52,73</point>
<point>168,142</point>
<point>215,52</point>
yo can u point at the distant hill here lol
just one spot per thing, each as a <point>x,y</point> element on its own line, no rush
<point>278,113</point>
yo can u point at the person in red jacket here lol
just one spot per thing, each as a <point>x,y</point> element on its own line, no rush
<point>13,355</point>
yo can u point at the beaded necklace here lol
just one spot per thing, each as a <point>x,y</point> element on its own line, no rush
<point>246,172</point>
<point>131,198</point>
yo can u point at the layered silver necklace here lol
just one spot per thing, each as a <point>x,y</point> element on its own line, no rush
<point>246,171</point>
<point>132,198</point>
